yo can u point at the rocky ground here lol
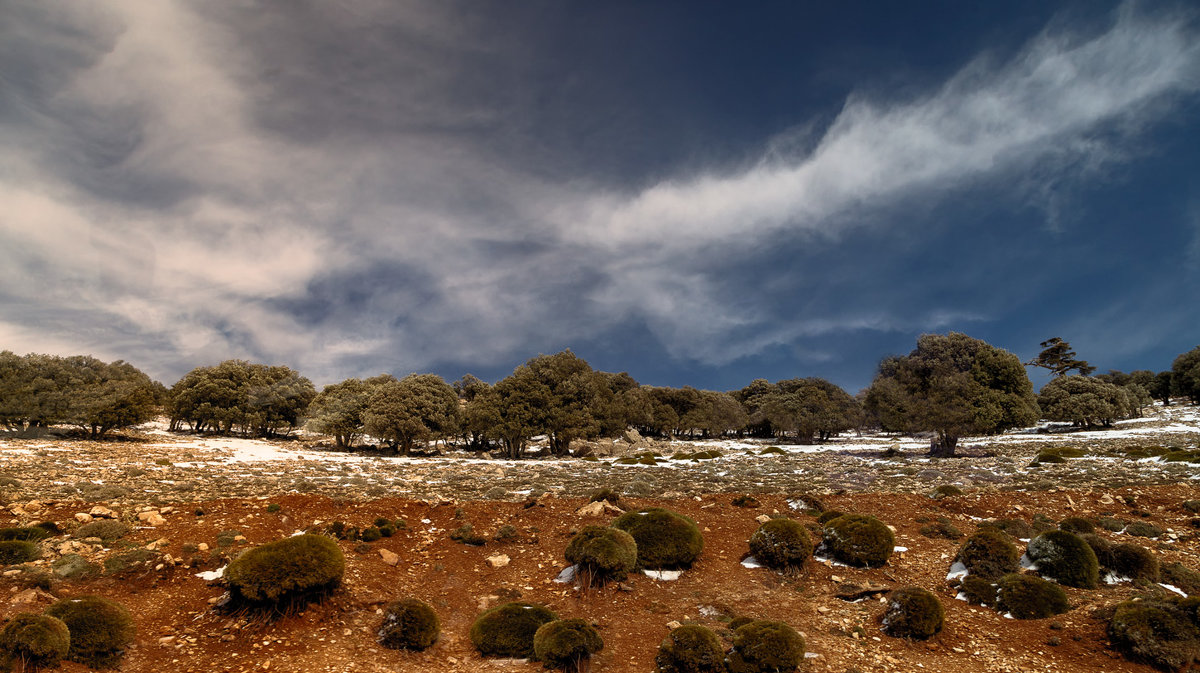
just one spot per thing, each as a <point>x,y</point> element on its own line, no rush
<point>192,503</point>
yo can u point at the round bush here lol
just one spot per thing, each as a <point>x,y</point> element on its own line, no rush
<point>946,491</point>
<point>1015,528</point>
<point>100,629</point>
<point>409,624</point>
<point>691,648</point>
<point>13,552</point>
<point>507,630</point>
<point>566,643</point>
<point>288,572</point>
<point>989,554</point>
<point>1029,597</point>
<point>978,590</point>
<point>30,533</point>
<point>1181,577</point>
<point>765,647</point>
<point>829,515</point>
<point>665,540</point>
<point>1100,547</point>
<point>1134,561</point>
<point>602,554</point>
<point>782,544</point>
<point>34,641</point>
<point>859,540</point>
<point>1066,559</point>
<point>105,529</point>
<point>913,612</point>
<point>1159,633</point>
<point>1077,525</point>
<point>1143,529</point>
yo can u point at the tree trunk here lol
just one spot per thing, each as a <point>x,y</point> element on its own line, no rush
<point>943,446</point>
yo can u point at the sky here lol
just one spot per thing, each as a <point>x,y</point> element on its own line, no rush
<point>697,193</point>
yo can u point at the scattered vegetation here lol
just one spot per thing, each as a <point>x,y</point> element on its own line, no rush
<point>602,554</point>
<point>13,552</point>
<point>781,544</point>
<point>105,529</point>
<point>465,534</point>
<point>507,630</point>
<point>1029,597</point>
<point>1077,525</point>
<point>665,540</point>
<point>31,641</point>
<point>946,491</point>
<point>1181,577</point>
<point>941,528</point>
<point>409,624</point>
<point>913,612</point>
<point>745,501</point>
<point>1065,558</point>
<point>283,576</point>
<point>859,540</point>
<point>27,533</point>
<point>764,646</point>
<point>691,648</point>
<point>566,644</point>
<point>978,591</point>
<point>1161,633</point>
<point>1015,528</point>
<point>1133,561</point>
<point>101,629</point>
<point>989,554</point>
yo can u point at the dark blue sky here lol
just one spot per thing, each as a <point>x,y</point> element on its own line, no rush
<point>696,193</point>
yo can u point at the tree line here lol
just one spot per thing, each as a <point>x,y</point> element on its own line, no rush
<point>950,385</point>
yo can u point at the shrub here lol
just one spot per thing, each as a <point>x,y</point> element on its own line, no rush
<point>943,528</point>
<point>1015,528</point>
<point>18,551</point>
<point>989,554</point>
<point>1159,633</point>
<point>859,540</point>
<point>1066,559</point>
<point>566,644</point>
<point>28,533</point>
<point>978,591</point>
<point>286,574</point>
<point>274,508</point>
<point>810,502</point>
<point>745,501</point>
<point>370,534</point>
<point>1143,529</point>
<point>505,533</point>
<point>913,612</point>
<point>1101,548</point>
<point>772,451</point>
<point>665,540</point>
<point>691,649</point>
<point>507,630</point>
<point>105,529</point>
<point>828,515</point>
<point>100,629</point>
<point>738,622</point>
<point>465,534</point>
<point>605,494</point>
<point>765,647</point>
<point>602,554</point>
<point>946,491</point>
<point>1192,506</point>
<point>782,544</point>
<point>1029,597</point>
<point>74,566</point>
<point>1134,561</point>
<point>409,624</point>
<point>33,641</point>
<point>1181,577</point>
<point>1077,525</point>
<point>1110,524</point>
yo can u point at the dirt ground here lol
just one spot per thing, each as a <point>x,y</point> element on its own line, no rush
<point>179,630</point>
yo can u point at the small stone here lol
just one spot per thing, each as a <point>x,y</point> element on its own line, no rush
<point>152,517</point>
<point>203,546</point>
<point>84,517</point>
<point>762,518</point>
<point>102,512</point>
<point>1107,499</point>
<point>389,557</point>
<point>673,625</point>
<point>498,561</point>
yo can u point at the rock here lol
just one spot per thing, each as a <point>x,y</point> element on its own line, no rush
<point>32,596</point>
<point>631,436</point>
<point>389,557</point>
<point>762,518</point>
<point>598,508</point>
<point>853,592</point>
<point>152,518</point>
<point>102,512</point>
<point>498,561</point>
<point>1107,499</point>
<point>33,506</point>
<point>673,625</point>
<point>84,517</point>
<point>203,546</point>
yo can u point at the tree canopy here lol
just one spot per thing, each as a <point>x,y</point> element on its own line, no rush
<point>1185,375</point>
<point>1085,401</point>
<point>338,409</point>
<point>806,408</point>
<point>412,411</point>
<point>1058,357</point>
<point>236,395</point>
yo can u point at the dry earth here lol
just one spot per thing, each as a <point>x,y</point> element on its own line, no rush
<point>153,570</point>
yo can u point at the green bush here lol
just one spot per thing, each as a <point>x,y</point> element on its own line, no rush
<point>1134,561</point>
<point>1015,528</point>
<point>602,554</point>
<point>28,533</point>
<point>13,552</point>
<point>286,574</point>
<point>100,629</point>
<point>828,515</point>
<point>913,612</point>
<point>1192,506</point>
<point>370,534</point>
<point>1101,547</point>
<point>942,528</point>
<point>1077,525</point>
<point>29,642</point>
<point>1066,559</point>
<point>1143,529</point>
<point>1159,633</point>
<point>606,495</point>
<point>978,590</point>
<point>1110,524</point>
<point>1181,577</point>
<point>765,647</point>
<point>566,644</point>
<point>665,540</point>
<point>691,648</point>
<point>810,502</point>
<point>859,540</point>
<point>772,451</point>
<point>465,534</point>
<point>946,491</point>
<point>409,624</point>
<point>744,501</point>
<point>782,544</point>
<point>1029,597</point>
<point>507,630</point>
<point>105,529</point>
<point>989,554</point>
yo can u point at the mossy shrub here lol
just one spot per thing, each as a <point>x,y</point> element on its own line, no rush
<point>859,540</point>
<point>691,648</point>
<point>1134,561</point>
<point>810,502</point>
<point>1066,559</point>
<point>105,529</point>
<point>1101,547</point>
<point>1143,529</point>
<point>989,554</point>
<point>18,551</point>
<point>1029,597</point>
<point>1181,577</point>
<point>1159,633</point>
<point>566,644</point>
<point>29,533</point>
<point>605,494</point>
<point>30,641</point>
<point>1077,525</point>
<point>507,630</point>
<point>602,554</point>
<point>765,646</point>
<point>913,612</point>
<point>946,491</point>
<point>744,501</point>
<point>409,624</point>
<point>286,574</point>
<point>782,544</point>
<point>665,540</point>
<point>978,591</point>
<point>828,515</point>
<point>100,629</point>
<point>1016,528</point>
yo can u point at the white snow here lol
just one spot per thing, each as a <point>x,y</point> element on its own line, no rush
<point>751,562</point>
<point>566,576</point>
<point>665,575</point>
<point>957,571</point>
<point>210,575</point>
<point>1177,590</point>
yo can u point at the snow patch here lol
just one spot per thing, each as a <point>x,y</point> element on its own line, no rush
<point>566,576</point>
<point>957,571</point>
<point>664,575</point>
<point>210,575</point>
<point>751,562</point>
